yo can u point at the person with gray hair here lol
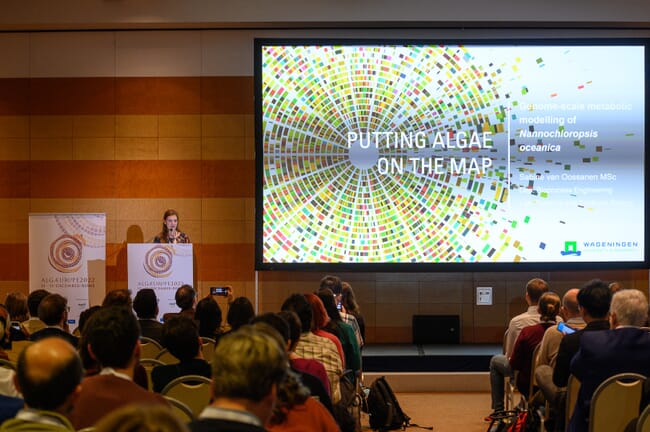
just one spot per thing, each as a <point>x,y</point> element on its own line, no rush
<point>247,369</point>
<point>624,348</point>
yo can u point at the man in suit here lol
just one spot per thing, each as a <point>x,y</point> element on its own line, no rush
<point>53,311</point>
<point>624,348</point>
<point>112,339</point>
<point>145,305</point>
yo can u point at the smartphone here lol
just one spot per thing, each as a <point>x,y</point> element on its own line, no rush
<point>338,306</point>
<point>219,291</point>
<point>565,328</point>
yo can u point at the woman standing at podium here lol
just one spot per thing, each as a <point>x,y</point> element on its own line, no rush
<point>170,232</point>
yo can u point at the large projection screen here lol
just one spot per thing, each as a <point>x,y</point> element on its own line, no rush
<point>450,155</point>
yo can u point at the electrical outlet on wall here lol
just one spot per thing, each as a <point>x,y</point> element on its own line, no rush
<point>484,296</point>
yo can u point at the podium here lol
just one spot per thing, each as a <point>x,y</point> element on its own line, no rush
<point>162,267</point>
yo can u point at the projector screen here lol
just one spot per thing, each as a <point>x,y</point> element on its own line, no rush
<point>448,155</point>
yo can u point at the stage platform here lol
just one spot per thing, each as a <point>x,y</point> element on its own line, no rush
<point>428,358</point>
<point>427,368</point>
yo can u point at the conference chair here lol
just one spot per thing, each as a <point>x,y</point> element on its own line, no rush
<point>7,364</point>
<point>149,348</point>
<point>572,390</point>
<point>208,348</point>
<point>195,391</point>
<point>166,357</point>
<point>16,348</point>
<point>615,402</point>
<point>148,364</point>
<point>643,424</point>
<point>181,410</point>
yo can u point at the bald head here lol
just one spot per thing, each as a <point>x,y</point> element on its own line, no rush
<point>570,306</point>
<point>48,373</point>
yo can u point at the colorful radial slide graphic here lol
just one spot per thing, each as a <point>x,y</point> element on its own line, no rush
<point>432,153</point>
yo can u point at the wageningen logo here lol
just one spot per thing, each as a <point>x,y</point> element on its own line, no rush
<point>571,248</point>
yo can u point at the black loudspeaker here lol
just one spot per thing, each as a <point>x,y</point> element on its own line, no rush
<point>436,329</point>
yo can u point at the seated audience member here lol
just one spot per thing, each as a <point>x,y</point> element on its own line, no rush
<point>186,300</point>
<point>334,284</point>
<point>247,369</point>
<point>53,311</point>
<point>48,374</point>
<point>529,337</point>
<point>307,366</point>
<point>624,348</point>
<point>572,321</point>
<point>16,304</point>
<point>118,297</point>
<point>349,306</point>
<point>294,408</point>
<point>320,321</point>
<point>343,331</point>
<point>9,407</point>
<point>83,319</point>
<point>7,387</point>
<point>500,363</point>
<point>594,299</point>
<point>91,366</point>
<point>145,305</point>
<point>112,339</point>
<point>240,313</point>
<point>34,324</point>
<point>208,315</point>
<point>550,344</point>
<point>313,384</point>
<point>315,347</point>
<point>614,287</point>
<point>141,418</point>
<point>4,332</point>
<point>181,337</point>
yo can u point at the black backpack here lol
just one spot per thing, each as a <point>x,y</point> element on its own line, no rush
<point>384,411</point>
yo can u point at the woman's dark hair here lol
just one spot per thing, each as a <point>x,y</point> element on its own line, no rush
<point>348,299</point>
<point>241,312</point>
<point>327,297</point>
<point>208,314</point>
<point>181,337</point>
<point>16,304</point>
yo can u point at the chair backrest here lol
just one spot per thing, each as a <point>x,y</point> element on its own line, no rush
<point>166,357</point>
<point>208,348</point>
<point>195,391</point>
<point>148,364</point>
<point>181,410</point>
<point>572,390</point>
<point>7,364</point>
<point>149,348</point>
<point>615,402</point>
<point>643,424</point>
<point>16,348</point>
